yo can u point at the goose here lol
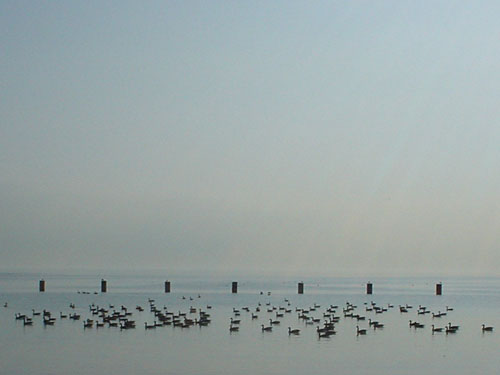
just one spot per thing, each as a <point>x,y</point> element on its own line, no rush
<point>450,330</point>
<point>487,329</point>
<point>149,326</point>
<point>63,316</point>
<point>29,322</point>
<point>75,316</point>
<point>255,316</point>
<point>274,322</point>
<point>372,322</point>
<point>266,329</point>
<point>202,323</point>
<point>35,313</point>
<point>234,329</point>
<point>326,334</point>
<point>20,316</point>
<point>48,322</point>
<point>436,329</point>
<point>449,308</point>
<point>321,330</point>
<point>453,327</point>
<point>235,321</point>
<point>360,331</point>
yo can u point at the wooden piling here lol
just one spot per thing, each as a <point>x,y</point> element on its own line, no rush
<point>41,285</point>
<point>104,286</point>
<point>167,286</point>
<point>234,287</point>
<point>439,289</point>
<point>300,288</point>
<point>369,288</point>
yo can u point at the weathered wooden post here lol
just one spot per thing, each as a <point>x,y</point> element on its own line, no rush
<point>167,286</point>
<point>104,286</point>
<point>41,285</point>
<point>369,288</point>
<point>439,289</point>
<point>234,287</point>
<point>301,288</point>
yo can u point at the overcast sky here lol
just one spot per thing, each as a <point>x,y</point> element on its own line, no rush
<point>295,138</point>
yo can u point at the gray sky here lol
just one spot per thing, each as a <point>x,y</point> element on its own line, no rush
<point>333,138</point>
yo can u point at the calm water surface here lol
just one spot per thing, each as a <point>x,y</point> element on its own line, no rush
<point>68,348</point>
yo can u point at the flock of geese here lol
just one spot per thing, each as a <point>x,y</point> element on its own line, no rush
<point>325,326</point>
<point>122,317</point>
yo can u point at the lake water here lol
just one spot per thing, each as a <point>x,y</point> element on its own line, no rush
<point>68,348</point>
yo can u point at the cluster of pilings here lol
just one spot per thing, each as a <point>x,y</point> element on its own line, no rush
<point>234,287</point>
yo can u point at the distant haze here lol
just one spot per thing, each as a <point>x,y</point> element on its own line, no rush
<point>265,137</point>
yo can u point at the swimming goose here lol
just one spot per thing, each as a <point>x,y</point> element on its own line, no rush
<point>20,316</point>
<point>487,329</point>
<point>360,331</point>
<point>436,329</point>
<point>266,329</point>
<point>234,329</point>
<point>450,330</point>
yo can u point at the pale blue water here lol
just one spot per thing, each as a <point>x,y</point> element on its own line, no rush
<point>67,348</point>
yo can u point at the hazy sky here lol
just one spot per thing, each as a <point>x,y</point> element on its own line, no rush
<point>332,138</point>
